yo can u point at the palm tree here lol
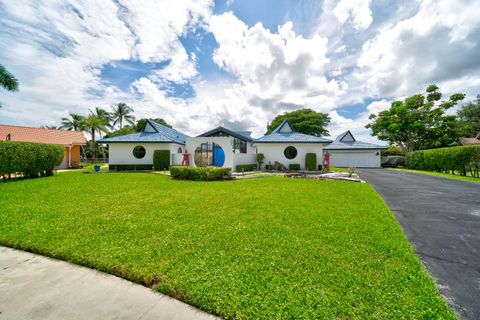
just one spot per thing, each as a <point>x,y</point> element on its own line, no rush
<point>73,123</point>
<point>49,127</point>
<point>102,113</point>
<point>94,123</point>
<point>7,80</point>
<point>122,113</point>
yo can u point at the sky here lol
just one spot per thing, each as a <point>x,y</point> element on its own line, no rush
<point>237,63</point>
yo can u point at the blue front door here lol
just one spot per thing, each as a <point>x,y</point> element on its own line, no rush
<point>218,156</point>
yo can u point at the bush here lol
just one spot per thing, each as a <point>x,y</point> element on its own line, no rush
<point>161,159</point>
<point>200,174</point>
<point>310,161</point>
<point>245,167</point>
<point>294,166</point>
<point>260,157</point>
<point>268,167</point>
<point>392,151</point>
<point>29,159</point>
<point>130,167</point>
<point>448,160</point>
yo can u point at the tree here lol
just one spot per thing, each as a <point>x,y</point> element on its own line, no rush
<point>104,114</point>
<point>305,121</point>
<point>74,122</point>
<point>8,80</point>
<point>417,122</point>
<point>470,114</point>
<point>95,123</point>
<point>122,113</point>
<point>141,123</point>
<point>49,127</point>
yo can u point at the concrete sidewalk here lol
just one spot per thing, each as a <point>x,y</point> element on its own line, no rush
<point>36,287</point>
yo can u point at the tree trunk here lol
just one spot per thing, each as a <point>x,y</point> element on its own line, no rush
<point>120,122</point>
<point>94,149</point>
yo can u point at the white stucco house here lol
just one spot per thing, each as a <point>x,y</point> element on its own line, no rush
<point>221,147</point>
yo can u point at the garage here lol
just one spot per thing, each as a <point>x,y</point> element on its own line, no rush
<point>347,152</point>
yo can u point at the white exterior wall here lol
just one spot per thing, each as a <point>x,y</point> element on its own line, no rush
<point>244,158</point>
<point>122,153</point>
<point>275,152</point>
<point>225,142</point>
<point>355,158</point>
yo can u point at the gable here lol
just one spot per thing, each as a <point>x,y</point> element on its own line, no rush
<point>149,128</point>
<point>284,127</point>
<point>348,137</point>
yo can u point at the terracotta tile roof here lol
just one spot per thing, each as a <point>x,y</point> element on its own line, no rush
<point>40,135</point>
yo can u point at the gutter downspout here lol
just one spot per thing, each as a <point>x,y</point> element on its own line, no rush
<point>70,156</point>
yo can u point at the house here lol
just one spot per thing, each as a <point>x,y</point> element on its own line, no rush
<point>346,151</point>
<point>222,147</point>
<point>470,141</point>
<point>70,140</point>
<point>289,147</point>
<point>135,151</point>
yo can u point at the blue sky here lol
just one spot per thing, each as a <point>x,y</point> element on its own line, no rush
<point>202,63</point>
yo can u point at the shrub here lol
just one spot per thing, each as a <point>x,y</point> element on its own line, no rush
<point>268,167</point>
<point>260,157</point>
<point>294,166</point>
<point>245,167</point>
<point>130,167</point>
<point>29,159</point>
<point>310,161</point>
<point>161,159</point>
<point>200,174</point>
<point>462,159</point>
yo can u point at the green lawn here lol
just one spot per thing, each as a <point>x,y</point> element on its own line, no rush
<point>271,248</point>
<point>444,175</point>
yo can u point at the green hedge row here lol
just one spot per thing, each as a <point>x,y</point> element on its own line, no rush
<point>200,174</point>
<point>161,159</point>
<point>130,167</point>
<point>449,160</point>
<point>294,166</point>
<point>29,159</point>
<point>311,161</point>
<point>246,167</point>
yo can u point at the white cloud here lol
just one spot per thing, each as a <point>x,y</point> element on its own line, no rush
<point>358,11</point>
<point>438,44</point>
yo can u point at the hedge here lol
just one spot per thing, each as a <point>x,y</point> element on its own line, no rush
<point>245,167</point>
<point>130,167</point>
<point>294,166</point>
<point>161,159</point>
<point>311,161</point>
<point>200,174</point>
<point>448,160</point>
<point>29,159</point>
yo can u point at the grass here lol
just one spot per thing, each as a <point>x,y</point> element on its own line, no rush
<point>444,175</point>
<point>252,249</point>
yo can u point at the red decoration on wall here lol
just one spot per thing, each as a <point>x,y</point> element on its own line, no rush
<point>326,161</point>
<point>186,161</point>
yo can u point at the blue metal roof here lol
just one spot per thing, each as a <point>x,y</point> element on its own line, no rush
<point>238,134</point>
<point>339,144</point>
<point>161,134</point>
<point>290,137</point>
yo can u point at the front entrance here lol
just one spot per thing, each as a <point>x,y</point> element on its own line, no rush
<point>218,156</point>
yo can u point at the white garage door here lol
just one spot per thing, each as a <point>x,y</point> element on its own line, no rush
<point>358,159</point>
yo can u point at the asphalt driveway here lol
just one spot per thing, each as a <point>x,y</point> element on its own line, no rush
<point>441,218</point>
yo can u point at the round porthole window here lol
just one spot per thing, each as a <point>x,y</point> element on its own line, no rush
<point>139,152</point>
<point>290,152</point>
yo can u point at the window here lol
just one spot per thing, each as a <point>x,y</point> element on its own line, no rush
<point>290,152</point>
<point>179,150</point>
<point>240,145</point>
<point>139,152</point>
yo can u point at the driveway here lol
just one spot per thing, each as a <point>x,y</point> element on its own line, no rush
<point>36,287</point>
<point>441,218</point>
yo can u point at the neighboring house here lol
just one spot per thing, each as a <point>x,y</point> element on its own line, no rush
<point>222,147</point>
<point>346,151</point>
<point>470,141</point>
<point>70,140</point>
<point>135,151</point>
